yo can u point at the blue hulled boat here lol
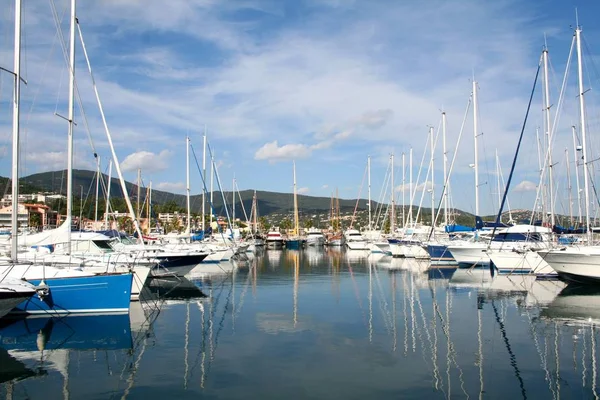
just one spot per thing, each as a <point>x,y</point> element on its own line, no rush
<point>440,255</point>
<point>84,294</point>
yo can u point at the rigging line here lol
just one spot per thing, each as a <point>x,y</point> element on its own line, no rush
<point>358,198</point>
<point>554,125</point>
<point>447,181</point>
<point>512,169</point>
<point>76,87</point>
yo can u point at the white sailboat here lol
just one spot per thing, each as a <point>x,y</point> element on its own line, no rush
<point>580,264</point>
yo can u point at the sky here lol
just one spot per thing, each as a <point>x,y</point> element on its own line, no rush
<point>324,83</point>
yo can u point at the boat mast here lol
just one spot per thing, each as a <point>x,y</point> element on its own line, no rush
<point>403,189</point>
<point>15,133</point>
<point>98,177</point>
<point>255,206</point>
<point>569,186</point>
<point>130,209</point>
<point>476,161</point>
<point>187,183</point>
<point>392,216</point>
<point>232,206</point>
<point>445,154</point>
<point>296,223</point>
<point>204,176</point>
<point>583,135</point>
<point>70,130</point>
<point>548,128</point>
<point>212,173</point>
<point>576,158</point>
<point>432,146</point>
<point>410,186</point>
<point>107,205</point>
<point>369,191</point>
<point>149,206</point>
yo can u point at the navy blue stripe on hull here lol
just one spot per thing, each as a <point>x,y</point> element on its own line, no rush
<point>578,278</point>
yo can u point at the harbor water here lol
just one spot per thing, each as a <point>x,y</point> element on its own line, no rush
<point>317,324</point>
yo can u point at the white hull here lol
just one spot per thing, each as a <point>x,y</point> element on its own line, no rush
<point>470,255</point>
<point>358,245</point>
<point>513,262</point>
<point>381,247</point>
<point>575,263</point>
<point>415,251</point>
<point>314,240</point>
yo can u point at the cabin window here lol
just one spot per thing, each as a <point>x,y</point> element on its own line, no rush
<point>103,244</point>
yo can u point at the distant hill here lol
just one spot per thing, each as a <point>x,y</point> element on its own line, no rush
<point>268,202</point>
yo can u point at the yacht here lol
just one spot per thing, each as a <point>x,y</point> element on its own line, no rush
<point>356,241</point>
<point>314,237</point>
<point>274,240</point>
<point>474,254</point>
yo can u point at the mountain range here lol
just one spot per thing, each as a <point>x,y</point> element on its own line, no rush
<point>268,202</point>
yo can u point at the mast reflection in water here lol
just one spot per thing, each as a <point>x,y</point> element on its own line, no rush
<point>318,323</point>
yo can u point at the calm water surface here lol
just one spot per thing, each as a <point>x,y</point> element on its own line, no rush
<point>318,324</point>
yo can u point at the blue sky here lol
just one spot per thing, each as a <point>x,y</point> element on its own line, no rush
<point>326,83</point>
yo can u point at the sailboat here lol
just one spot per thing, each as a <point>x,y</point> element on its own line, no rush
<point>59,291</point>
<point>257,238</point>
<point>295,241</point>
<point>578,264</point>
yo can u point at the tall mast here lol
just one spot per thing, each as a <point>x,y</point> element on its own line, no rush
<point>296,223</point>
<point>403,189</point>
<point>432,146</point>
<point>410,185</point>
<point>476,161</point>
<point>149,206</point>
<point>212,173</point>
<point>15,132</point>
<point>98,176</point>
<point>392,216</point>
<point>70,131</point>
<point>255,206</point>
<point>410,194</point>
<point>108,185</point>
<point>187,183</point>
<point>369,184</point>
<point>130,209</point>
<point>583,135</point>
<point>569,187</point>
<point>576,159</point>
<point>203,176</point>
<point>445,168</point>
<point>233,205</point>
<point>548,135</point>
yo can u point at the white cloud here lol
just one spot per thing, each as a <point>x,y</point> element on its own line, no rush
<point>273,153</point>
<point>525,186</point>
<point>146,161</point>
<point>175,187</point>
<point>303,190</point>
<point>324,186</point>
<point>419,188</point>
<point>54,160</point>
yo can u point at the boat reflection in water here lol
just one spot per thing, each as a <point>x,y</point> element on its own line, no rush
<point>465,334</point>
<point>44,345</point>
<point>575,305</point>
